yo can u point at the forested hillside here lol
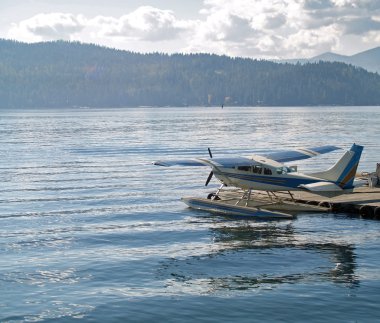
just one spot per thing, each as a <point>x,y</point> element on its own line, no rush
<point>64,74</point>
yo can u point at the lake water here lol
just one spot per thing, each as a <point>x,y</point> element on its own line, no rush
<point>91,230</point>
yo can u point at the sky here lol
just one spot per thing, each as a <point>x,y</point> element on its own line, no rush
<point>268,29</point>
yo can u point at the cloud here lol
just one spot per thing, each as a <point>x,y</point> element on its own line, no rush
<point>307,42</point>
<point>225,26</point>
<point>246,27</point>
<point>251,28</point>
<point>318,4</point>
<point>145,23</point>
<point>360,25</point>
<point>48,27</point>
<point>285,28</point>
<point>275,21</point>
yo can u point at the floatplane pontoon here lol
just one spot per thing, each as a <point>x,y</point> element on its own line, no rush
<point>251,176</point>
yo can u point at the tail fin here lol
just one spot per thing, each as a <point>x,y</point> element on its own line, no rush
<point>343,172</point>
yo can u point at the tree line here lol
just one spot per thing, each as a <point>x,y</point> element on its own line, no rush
<point>70,74</point>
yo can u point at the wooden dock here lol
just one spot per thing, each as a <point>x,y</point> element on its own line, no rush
<point>363,201</point>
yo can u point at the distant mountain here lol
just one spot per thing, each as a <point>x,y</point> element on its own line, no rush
<point>330,57</point>
<point>369,59</point>
<point>69,74</point>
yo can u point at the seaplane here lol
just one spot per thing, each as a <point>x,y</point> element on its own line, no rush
<point>270,173</point>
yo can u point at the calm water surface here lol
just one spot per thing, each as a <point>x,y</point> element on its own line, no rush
<point>90,230</point>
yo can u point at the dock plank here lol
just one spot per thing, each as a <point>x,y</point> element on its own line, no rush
<point>359,196</point>
<point>364,201</point>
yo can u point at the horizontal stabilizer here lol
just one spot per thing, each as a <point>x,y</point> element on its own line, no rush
<point>322,187</point>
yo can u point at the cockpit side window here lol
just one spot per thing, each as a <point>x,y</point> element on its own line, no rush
<point>257,169</point>
<point>244,168</point>
<point>267,171</point>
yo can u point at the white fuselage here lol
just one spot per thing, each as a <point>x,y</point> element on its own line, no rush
<point>263,174</point>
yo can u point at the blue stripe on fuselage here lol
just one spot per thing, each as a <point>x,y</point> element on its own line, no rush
<point>270,180</point>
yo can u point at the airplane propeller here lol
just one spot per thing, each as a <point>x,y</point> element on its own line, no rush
<point>209,178</point>
<point>211,173</point>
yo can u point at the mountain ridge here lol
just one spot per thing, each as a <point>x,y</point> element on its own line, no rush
<point>71,74</point>
<point>368,59</point>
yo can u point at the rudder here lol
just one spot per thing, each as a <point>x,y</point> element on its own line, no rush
<point>344,171</point>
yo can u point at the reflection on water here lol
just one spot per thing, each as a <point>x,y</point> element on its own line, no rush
<point>261,255</point>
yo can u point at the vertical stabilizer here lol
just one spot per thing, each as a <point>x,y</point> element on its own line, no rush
<point>343,172</point>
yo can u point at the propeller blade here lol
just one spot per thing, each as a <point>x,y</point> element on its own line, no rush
<point>209,152</point>
<point>209,178</point>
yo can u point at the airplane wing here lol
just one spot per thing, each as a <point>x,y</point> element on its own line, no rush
<point>299,154</point>
<point>220,161</point>
<point>281,157</point>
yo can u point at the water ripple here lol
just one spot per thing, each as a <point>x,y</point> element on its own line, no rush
<point>90,230</point>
